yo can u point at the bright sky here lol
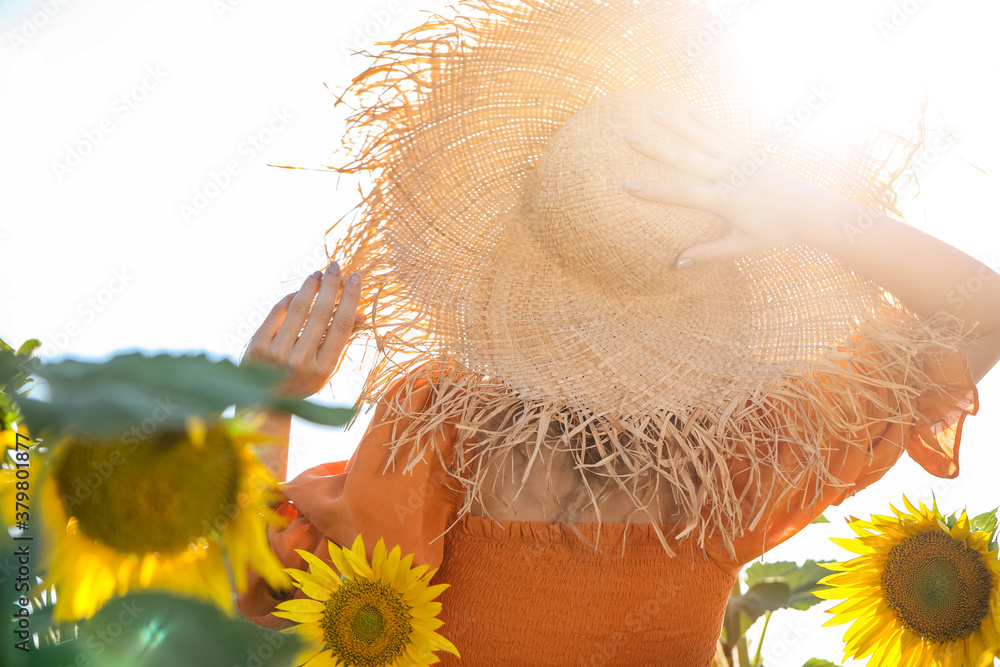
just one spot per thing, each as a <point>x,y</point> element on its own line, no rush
<point>117,115</point>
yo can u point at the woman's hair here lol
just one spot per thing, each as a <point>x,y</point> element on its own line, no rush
<point>592,455</point>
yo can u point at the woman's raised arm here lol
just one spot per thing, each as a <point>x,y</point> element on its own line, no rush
<point>307,339</point>
<point>927,275</point>
<point>774,207</point>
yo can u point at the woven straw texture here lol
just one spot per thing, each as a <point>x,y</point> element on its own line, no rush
<point>497,238</point>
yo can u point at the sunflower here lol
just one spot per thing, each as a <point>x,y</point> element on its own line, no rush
<point>156,511</point>
<point>17,474</point>
<point>369,615</point>
<point>924,590</point>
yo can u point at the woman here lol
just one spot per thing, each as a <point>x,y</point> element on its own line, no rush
<point>557,554</point>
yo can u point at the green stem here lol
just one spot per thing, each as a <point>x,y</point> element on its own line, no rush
<point>741,643</point>
<point>741,646</point>
<point>760,642</point>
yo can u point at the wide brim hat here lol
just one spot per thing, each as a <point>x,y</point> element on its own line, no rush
<point>497,238</point>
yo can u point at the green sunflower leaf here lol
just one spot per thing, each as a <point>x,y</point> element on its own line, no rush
<point>985,522</point>
<point>161,630</point>
<point>15,369</point>
<point>820,519</point>
<point>133,390</point>
<point>802,580</point>
<point>15,366</point>
<point>27,347</point>
<point>816,662</point>
<point>771,586</point>
<point>758,600</point>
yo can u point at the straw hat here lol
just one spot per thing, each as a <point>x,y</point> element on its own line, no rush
<point>497,236</point>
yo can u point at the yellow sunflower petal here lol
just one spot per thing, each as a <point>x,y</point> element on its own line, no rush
<point>408,614</point>
<point>442,644</point>
<point>323,573</point>
<point>299,617</point>
<point>302,605</point>
<point>910,565</point>
<point>378,558</point>
<point>312,632</point>
<point>852,545</point>
<point>169,513</point>
<point>322,659</point>
<point>358,549</point>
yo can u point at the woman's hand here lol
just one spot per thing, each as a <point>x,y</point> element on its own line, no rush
<point>765,204</point>
<point>309,354</point>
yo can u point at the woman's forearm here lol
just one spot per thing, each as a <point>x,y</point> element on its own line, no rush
<point>927,275</point>
<point>305,334</point>
<point>775,206</point>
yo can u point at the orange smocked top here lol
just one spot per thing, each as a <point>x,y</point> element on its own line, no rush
<point>536,593</point>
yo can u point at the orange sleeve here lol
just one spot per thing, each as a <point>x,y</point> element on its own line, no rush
<point>368,495</point>
<point>930,435</point>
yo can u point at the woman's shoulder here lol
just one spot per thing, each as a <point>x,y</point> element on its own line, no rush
<point>413,386</point>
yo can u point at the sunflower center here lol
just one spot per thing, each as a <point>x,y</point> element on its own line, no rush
<point>154,495</point>
<point>366,623</point>
<point>938,586</point>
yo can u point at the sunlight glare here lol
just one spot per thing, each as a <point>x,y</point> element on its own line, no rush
<point>870,71</point>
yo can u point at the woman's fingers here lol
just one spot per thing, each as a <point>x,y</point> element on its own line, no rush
<point>679,194</point>
<point>269,327</point>
<point>733,245</point>
<point>344,319</point>
<point>295,317</point>
<point>309,353</point>
<point>705,140</point>
<point>322,309</point>
<point>713,124</point>
<point>684,158</point>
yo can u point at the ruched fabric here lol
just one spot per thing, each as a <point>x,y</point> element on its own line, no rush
<point>536,593</point>
<point>531,593</point>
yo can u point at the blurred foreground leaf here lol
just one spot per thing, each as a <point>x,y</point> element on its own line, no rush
<point>160,630</point>
<point>128,390</point>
